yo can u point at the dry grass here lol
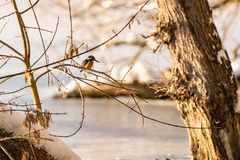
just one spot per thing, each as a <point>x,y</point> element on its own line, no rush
<point>21,149</point>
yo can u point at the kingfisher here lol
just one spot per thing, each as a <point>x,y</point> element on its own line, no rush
<point>88,63</point>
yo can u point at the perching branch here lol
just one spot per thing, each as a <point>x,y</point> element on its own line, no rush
<point>84,52</point>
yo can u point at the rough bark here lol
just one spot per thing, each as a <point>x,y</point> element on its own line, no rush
<point>202,81</point>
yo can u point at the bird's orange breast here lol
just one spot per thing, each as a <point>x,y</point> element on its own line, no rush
<point>89,65</point>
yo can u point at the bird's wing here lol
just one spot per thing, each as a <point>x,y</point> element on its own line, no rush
<point>84,62</point>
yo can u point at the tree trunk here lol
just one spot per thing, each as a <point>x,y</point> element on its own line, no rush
<point>202,82</point>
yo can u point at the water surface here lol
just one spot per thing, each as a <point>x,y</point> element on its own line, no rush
<point>112,132</point>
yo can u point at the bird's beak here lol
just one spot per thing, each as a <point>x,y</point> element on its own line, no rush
<point>96,61</point>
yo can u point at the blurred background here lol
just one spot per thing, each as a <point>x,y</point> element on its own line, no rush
<point>110,130</point>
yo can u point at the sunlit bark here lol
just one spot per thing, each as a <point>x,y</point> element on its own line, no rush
<point>202,81</point>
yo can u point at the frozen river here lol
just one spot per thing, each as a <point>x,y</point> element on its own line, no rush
<point>111,132</point>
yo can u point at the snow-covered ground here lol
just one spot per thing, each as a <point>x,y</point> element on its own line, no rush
<point>14,123</point>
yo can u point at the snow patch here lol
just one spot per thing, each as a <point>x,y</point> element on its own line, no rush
<point>236,68</point>
<point>149,6</point>
<point>57,148</point>
<point>73,85</point>
<point>107,4</point>
<point>137,72</point>
<point>221,56</point>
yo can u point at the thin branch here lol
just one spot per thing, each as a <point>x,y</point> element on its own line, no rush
<point>15,104</point>
<point>7,15</point>
<point>130,107</point>
<point>5,62</point>
<point>27,110</point>
<point>11,48</point>
<point>6,3</point>
<point>124,76</point>
<point>3,27</point>
<point>50,43</point>
<point>6,152</point>
<point>70,18</point>
<point>4,80</point>
<point>72,134</point>
<point>23,137</point>
<point>113,82</point>
<point>14,98</point>
<point>11,56</point>
<point>89,80</point>
<point>31,146</point>
<point>42,74</point>
<point>145,116</point>
<point>121,84</point>
<point>24,34</point>
<point>139,109</point>
<point>41,36</point>
<point>42,29</point>
<point>84,52</point>
<point>60,84</point>
<point>136,104</point>
<point>40,33</point>
<point>15,91</point>
<point>83,112</point>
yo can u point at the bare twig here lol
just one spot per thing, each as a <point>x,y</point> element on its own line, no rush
<point>31,146</point>
<point>12,13</point>
<point>10,56</point>
<point>11,48</point>
<point>23,137</point>
<point>42,29</point>
<point>83,111</point>
<point>15,91</point>
<point>27,110</point>
<point>5,62</point>
<point>39,30</point>
<point>41,36</point>
<point>111,84</point>
<point>84,52</point>
<point>136,104</point>
<point>145,116</point>
<point>3,27</point>
<point>4,80</point>
<point>6,3</point>
<point>6,152</point>
<point>23,31</point>
<point>50,43</point>
<point>70,18</point>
